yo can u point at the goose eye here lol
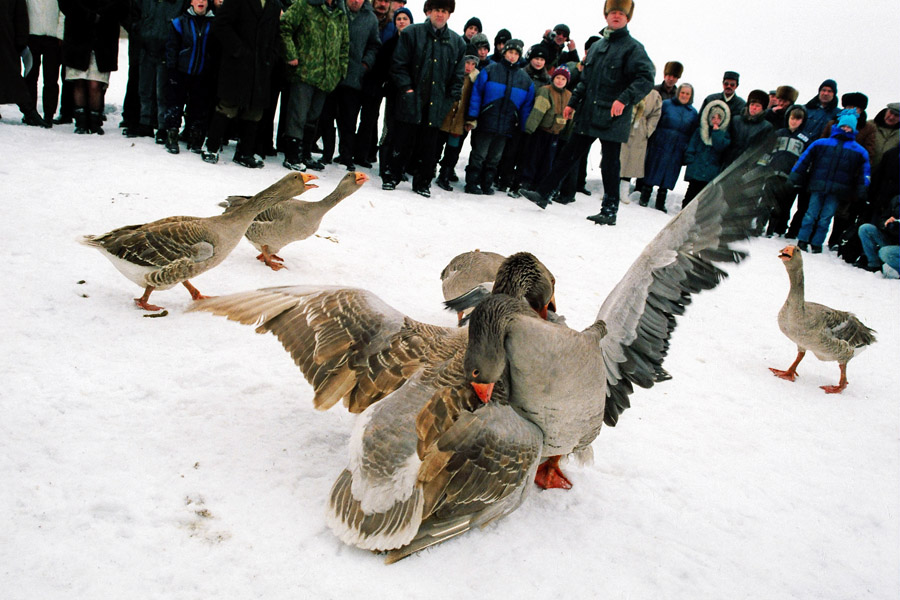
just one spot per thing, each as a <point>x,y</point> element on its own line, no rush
<point>475,373</point>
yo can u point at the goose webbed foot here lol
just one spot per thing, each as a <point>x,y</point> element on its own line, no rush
<point>273,261</point>
<point>837,389</point>
<point>195,293</point>
<point>550,476</point>
<point>790,374</point>
<point>142,301</point>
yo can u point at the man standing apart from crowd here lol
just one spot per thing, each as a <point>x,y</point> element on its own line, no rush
<point>428,70</point>
<point>617,74</point>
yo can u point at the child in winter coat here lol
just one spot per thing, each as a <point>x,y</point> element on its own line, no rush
<point>545,123</point>
<point>502,98</point>
<point>453,127</point>
<point>703,156</point>
<point>790,142</point>
<point>837,167</point>
<point>187,58</point>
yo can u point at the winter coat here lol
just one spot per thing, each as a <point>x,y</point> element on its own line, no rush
<point>664,93</point>
<point>665,152</point>
<point>155,23</point>
<point>317,36</point>
<point>616,68</point>
<point>745,131</point>
<point>735,105</point>
<point>703,156</point>
<point>44,18</point>
<point>539,78</point>
<point>547,114</point>
<point>455,121</point>
<point>788,147</point>
<point>818,116</point>
<point>374,80</point>
<point>13,39</point>
<point>556,55</point>
<point>834,165</point>
<point>248,35</point>
<point>187,49</point>
<point>364,44</point>
<point>502,98</point>
<point>885,138</point>
<point>431,64</point>
<point>92,26</point>
<point>646,117</point>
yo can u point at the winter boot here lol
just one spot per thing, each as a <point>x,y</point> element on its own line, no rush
<point>243,153</point>
<point>95,122</point>
<point>608,210</point>
<point>292,154</point>
<point>443,181</point>
<point>487,183</point>
<point>172,141</point>
<point>473,183</point>
<point>195,140</point>
<point>81,121</point>
<point>306,157</point>
<point>645,195</point>
<point>536,197</point>
<point>661,199</point>
<point>624,190</point>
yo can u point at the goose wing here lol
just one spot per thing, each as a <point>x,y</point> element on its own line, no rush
<point>348,343</point>
<point>160,243</point>
<point>639,313</point>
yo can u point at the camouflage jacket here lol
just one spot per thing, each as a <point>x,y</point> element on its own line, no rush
<point>318,37</point>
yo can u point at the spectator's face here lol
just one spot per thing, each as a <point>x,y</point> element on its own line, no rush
<point>715,119</point>
<point>561,38</point>
<point>538,63</point>
<point>483,52</point>
<point>826,95</point>
<point>512,55</point>
<point>470,66</point>
<point>200,6</point>
<point>439,17</point>
<point>616,19</point>
<point>670,80</point>
<point>729,86</point>
<point>381,8</point>
<point>217,4</point>
<point>891,118</point>
<point>500,46</point>
<point>560,81</point>
<point>846,128</point>
<point>754,108</point>
<point>471,30</point>
<point>355,5</point>
<point>781,102</point>
<point>794,122</point>
<point>684,94</point>
<point>401,21</point>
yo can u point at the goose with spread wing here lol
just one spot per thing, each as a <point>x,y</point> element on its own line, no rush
<point>291,220</point>
<point>832,335</point>
<point>161,254</point>
<point>468,270</point>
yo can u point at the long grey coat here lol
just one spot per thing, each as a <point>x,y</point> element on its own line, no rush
<point>364,44</point>
<point>646,116</point>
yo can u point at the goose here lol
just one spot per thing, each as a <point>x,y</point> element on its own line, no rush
<point>832,335</point>
<point>161,254</point>
<point>467,271</point>
<point>291,220</point>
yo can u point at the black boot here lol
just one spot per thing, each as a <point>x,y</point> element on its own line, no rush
<point>473,185</point>
<point>536,197</point>
<point>645,195</point>
<point>306,157</point>
<point>292,154</point>
<point>216,132</point>
<point>81,121</point>
<point>443,181</point>
<point>608,210</point>
<point>195,140</point>
<point>172,141</point>
<point>243,153</point>
<point>487,183</point>
<point>660,199</point>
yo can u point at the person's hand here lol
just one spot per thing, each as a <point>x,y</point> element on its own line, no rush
<point>889,221</point>
<point>617,109</point>
<point>470,125</point>
<point>568,113</point>
<point>715,126</point>
<point>571,45</point>
<point>409,91</point>
<point>294,62</point>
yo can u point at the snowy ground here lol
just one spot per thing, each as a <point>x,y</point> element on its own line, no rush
<point>180,457</point>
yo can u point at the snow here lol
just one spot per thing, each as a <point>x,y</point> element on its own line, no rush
<point>180,457</point>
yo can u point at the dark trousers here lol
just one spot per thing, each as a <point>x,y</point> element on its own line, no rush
<point>569,159</point>
<point>152,87</point>
<point>414,140</point>
<point>191,91</point>
<point>342,105</point>
<point>695,186</point>
<point>367,133</point>
<point>131,105</point>
<point>452,147</point>
<point>539,156</point>
<point>487,150</point>
<point>46,51</point>
<point>305,104</point>
<point>782,196</point>
<point>265,130</point>
<point>508,170</point>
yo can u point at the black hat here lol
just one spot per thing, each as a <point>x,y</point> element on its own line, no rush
<point>448,5</point>
<point>474,21</point>
<point>537,51</point>
<point>829,83</point>
<point>732,75</point>
<point>562,29</point>
<point>590,42</point>
<point>758,96</point>
<point>502,36</point>
<point>514,44</point>
<point>856,100</point>
<point>479,40</point>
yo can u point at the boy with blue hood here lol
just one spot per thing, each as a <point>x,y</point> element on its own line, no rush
<point>837,166</point>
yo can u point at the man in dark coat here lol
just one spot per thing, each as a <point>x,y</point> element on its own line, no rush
<point>730,82</point>
<point>428,69</point>
<point>668,87</point>
<point>559,46</point>
<point>248,33</point>
<point>13,40</point>
<point>617,74</point>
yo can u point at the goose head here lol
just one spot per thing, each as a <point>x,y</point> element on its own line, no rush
<point>791,256</point>
<point>522,275</point>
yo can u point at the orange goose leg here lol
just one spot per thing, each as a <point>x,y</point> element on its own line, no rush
<point>142,301</point>
<point>195,293</point>
<point>272,260</point>
<point>549,475</point>
<point>791,373</point>
<point>837,389</point>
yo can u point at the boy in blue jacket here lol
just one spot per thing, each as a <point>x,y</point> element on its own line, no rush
<point>837,166</point>
<point>502,98</point>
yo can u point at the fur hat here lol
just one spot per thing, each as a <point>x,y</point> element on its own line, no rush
<point>404,11</point>
<point>732,75</point>
<point>514,44</point>
<point>476,22</point>
<point>848,118</point>
<point>626,6</point>
<point>674,68</point>
<point>448,5</point>
<point>856,100</point>
<point>471,58</point>
<point>786,92</point>
<point>759,97</point>
<point>502,36</point>
<point>562,29</point>
<point>478,40</point>
<point>561,70</point>
<point>537,51</point>
<point>828,83</point>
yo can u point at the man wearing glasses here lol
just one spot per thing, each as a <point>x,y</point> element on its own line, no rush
<point>730,82</point>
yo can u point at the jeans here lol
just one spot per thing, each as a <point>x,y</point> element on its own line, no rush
<point>817,218</point>
<point>871,239</point>
<point>890,255</point>
<point>487,149</point>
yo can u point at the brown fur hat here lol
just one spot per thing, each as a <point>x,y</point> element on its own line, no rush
<point>674,68</point>
<point>758,96</point>
<point>786,92</point>
<point>626,6</point>
<point>448,5</point>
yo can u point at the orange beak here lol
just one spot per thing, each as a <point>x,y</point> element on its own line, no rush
<point>787,253</point>
<point>547,307</point>
<point>483,390</point>
<point>361,178</point>
<point>307,177</point>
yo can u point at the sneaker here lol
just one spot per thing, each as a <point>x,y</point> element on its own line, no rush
<point>388,184</point>
<point>248,160</point>
<point>816,249</point>
<point>293,163</point>
<point>473,189</point>
<point>424,192</point>
<point>514,194</point>
<point>487,190</point>
<point>209,157</point>
<point>172,142</point>
<point>602,218</point>
<point>160,136</point>
<point>535,197</point>
<point>889,272</point>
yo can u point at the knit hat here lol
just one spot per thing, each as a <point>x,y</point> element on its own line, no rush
<point>561,70</point>
<point>514,44</point>
<point>894,107</point>
<point>590,42</point>
<point>474,21</point>
<point>758,96</point>
<point>502,36</point>
<point>856,100</point>
<point>472,58</point>
<point>829,83</point>
<point>673,68</point>
<point>404,11</point>
<point>448,5</point>
<point>732,75</point>
<point>479,40</point>
<point>537,51</point>
<point>848,118</point>
<point>626,6</point>
<point>786,92</point>
<point>562,29</point>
